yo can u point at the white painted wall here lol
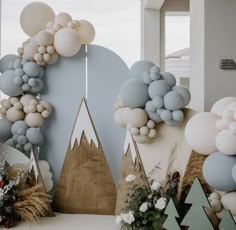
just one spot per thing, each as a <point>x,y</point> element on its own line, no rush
<point>213,37</point>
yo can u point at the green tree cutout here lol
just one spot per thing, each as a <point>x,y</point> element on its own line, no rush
<point>227,222</point>
<point>171,222</point>
<point>196,218</point>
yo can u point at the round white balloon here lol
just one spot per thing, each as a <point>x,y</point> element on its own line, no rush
<point>67,42</point>
<point>229,202</point>
<point>220,106</point>
<point>86,32</point>
<point>226,142</point>
<point>35,16</point>
<point>201,132</point>
<point>138,117</point>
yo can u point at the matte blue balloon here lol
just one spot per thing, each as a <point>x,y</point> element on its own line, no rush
<point>150,107</point>
<point>234,173</point>
<point>138,68</point>
<point>17,64</point>
<point>169,78</point>
<point>25,78</point>
<point>155,76</point>
<point>32,82</point>
<point>21,139</point>
<point>158,88</point>
<point>173,101</point>
<point>159,111</point>
<point>18,80</point>
<point>6,63</point>
<point>7,84</point>
<point>154,116</point>
<point>19,125</point>
<point>178,115</point>
<point>32,69</point>
<point>14,138</point>
<point>19,72</point>
<point>154,69</point>
<point>19,147</point>
<point>21,131</point>
<point>38,87</point>
<point>34,136</point>
<point>28,147</point>
<point>134,93</point>
<point>5,129</point>
<point>10,142</point>
<point>25,87</point>
<point>146,78</point>
<point>217,171</point>
<point>184,93</point>
<point>158,102</point>
<point>166,115</point>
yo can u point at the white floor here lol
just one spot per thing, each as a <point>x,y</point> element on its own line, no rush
<point>72,222</point>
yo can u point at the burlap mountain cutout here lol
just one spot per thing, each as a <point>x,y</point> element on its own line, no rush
<point>131,165</point>
<point>86,185</point>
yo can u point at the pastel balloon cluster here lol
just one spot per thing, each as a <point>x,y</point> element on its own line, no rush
<point>213,134</point>
<point>156,95</point>
<point>24,137</point>
<point>53,35</point>
<point>24,76</point>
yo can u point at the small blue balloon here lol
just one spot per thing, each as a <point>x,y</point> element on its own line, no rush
<point>158,102</point>
<point>158,88</point>
<point>173,101</point>
<point>17,64</point>
<point>14,138</point>
<point>25,78</point>
<point>19,72</point>
<point>155,69</point>
<point>18,80</point>
<point>150,107</point>
<point>169,78</point>
<point>38,87</point>
<point>178,115</point>
<point>21,131</point>
<point>217,171</point>
<point>166,115</point>
<point>154,116</point>
<point>32,82</point>
<point>19,125</point>
<point>155,76</point>
<point>159,111</point>
<point>146,78</point>
<point>25,87</point>
<point>184,93</point>
<point>32,69</point>
<point>34,136</point>
<point>19,147</point>
<point>28,147</point>
<point>21,139</point>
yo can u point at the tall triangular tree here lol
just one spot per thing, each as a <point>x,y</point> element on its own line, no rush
<point>196,218</point>
<point>172,213</point>
<point>227,222</point>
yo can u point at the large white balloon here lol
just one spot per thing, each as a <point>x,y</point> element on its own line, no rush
<point>201,131</point>
<point>67,42</point>
<point>86,32</point>
<point>220,106</point>
<point>35,16</point>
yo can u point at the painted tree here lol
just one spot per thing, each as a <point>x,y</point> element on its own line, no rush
<point>227,222</point>
<point>171,212</point>
<point>196,218</point>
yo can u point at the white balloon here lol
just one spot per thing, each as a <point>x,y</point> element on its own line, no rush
<point>201,131</point>
<point>67,42</point>
<point>14,115</point>
<point>138,117</point>
<point>62,19</point>
<point>125,115</point>
<point>25,99</point>
<point>118,117</point>
<point>44,38</point>
<point>30,50</point>
<point>35,16</point>
<point>34,120</point>
<point>229,202</point>
<point>222,104</point>
<point>226,142</point>
<point>86,32</point>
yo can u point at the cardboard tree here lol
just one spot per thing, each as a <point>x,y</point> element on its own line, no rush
<point>227,222</point>
<point>172,213</point>
<point>196,218</point>
<point>131,164</point>
<point>86,185</point>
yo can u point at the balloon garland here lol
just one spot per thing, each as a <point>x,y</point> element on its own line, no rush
<point>149,97</point>
<point>51,36</point>
<point>214,134</point>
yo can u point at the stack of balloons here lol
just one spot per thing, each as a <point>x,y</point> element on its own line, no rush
<point>214,134</point>
<point>22,75</point>
<point>147,98</point>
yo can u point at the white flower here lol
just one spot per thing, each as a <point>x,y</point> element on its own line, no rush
<point>160,203</point>
<point>118,219</point>
<point>155,185</point>
<point>130,178</point>
<point>143,207</point>
<point>128,217</point>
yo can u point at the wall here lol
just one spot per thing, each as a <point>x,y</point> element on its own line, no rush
<point>169,5</point>
<point>213,37</point>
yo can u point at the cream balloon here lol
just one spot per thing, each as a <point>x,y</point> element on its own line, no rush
<point>30,50</point>
<point>44,38</point>
<point>229,202</point>
<point>14,115</point>
<point>67,42</point>
<point>138,117</point>
<point>220,106</point>
<point>62,19</point>
<point>86,32</point>
<point>226,142</point>
<point>35,16</point>
<point>34,120</point>
<point>201,132</point>
<point>118,117</point>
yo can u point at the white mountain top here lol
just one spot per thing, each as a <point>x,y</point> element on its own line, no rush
<point>129,142</point>
<point>83,124</point>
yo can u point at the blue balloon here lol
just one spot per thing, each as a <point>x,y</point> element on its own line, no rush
<point>154,116</point>
<point>150,107</point>
<point>8,85</point>
<point>138,68</point>
<point>146,78</point>
<point>34,136</point>
<point>178,115</point>
<point>32,69</point>
<point>19,127</point>
<point>184,93</point>
<point>158,102</point>
<point>173,101</point>
<point>169,78</point>
<point>217,171</point>
<point>158,88</point>
<point>166,115</point>
<point>134,93</point>
<point>5,129</point>
<point>7,62</point>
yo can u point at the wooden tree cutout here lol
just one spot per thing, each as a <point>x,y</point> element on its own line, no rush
<point>172,213</point>
<point>196,218</point>
<point>131,164</point>
<point>227,222</point>
<point>86,185</point>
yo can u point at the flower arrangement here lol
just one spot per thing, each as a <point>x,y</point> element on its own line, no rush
<point>145,208</point>
<point>20,198</point>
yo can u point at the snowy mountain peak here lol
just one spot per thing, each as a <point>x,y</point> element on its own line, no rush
<point>83,124</point>
<point>129,142</point>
